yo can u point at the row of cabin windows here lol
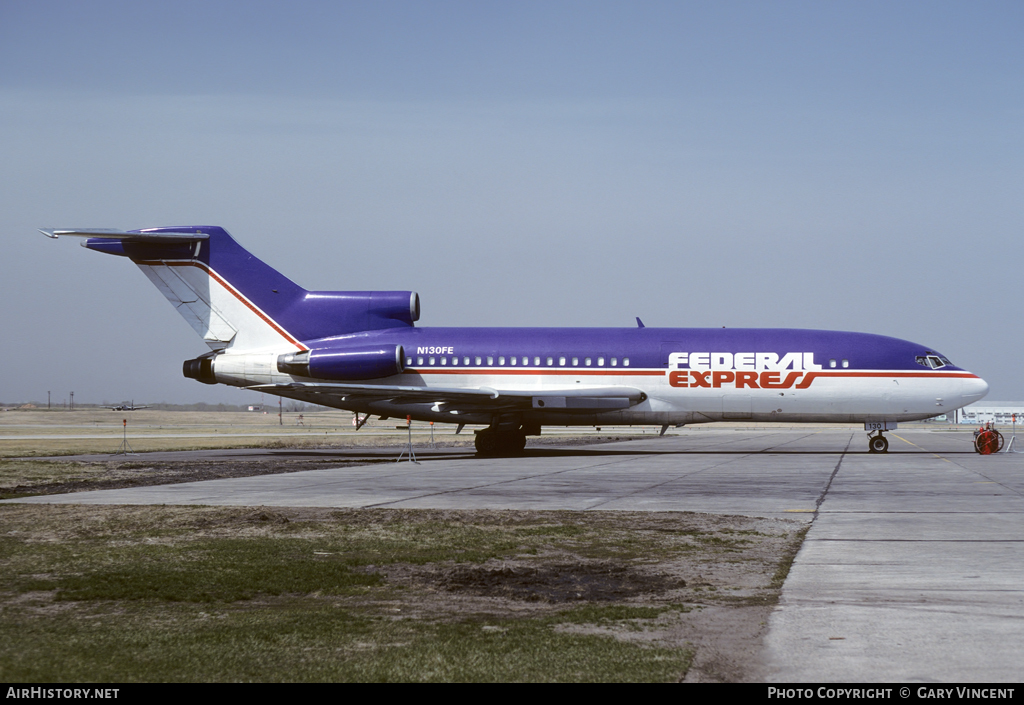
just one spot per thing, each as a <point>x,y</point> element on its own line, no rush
<point>832,363</point>
<point>524,360</point>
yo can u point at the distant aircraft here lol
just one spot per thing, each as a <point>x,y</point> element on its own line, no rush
<point>127,406</point>
<point>361,351</point>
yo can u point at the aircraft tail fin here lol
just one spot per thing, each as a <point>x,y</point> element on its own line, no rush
<point>232,299</point>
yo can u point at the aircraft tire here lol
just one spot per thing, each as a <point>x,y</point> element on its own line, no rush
<point>487,443</point>
<point>878,444</point>
<point>490,444</point>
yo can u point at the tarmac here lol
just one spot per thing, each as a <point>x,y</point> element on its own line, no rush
<point>912,569</point>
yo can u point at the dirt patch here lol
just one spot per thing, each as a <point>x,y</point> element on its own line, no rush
<point>711,581</point>
<point>555,583</point>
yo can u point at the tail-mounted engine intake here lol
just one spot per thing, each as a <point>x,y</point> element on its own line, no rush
<point>344,363</point>
<point>200,369</point>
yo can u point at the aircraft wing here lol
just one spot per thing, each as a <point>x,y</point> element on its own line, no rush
<point>472,399</point>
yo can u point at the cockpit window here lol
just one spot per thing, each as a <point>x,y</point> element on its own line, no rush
<point>932,360</point>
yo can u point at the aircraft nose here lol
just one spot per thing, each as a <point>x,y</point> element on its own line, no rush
<point>973,389</point>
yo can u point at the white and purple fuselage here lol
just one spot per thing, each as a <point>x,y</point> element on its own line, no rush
<point>361,351</point>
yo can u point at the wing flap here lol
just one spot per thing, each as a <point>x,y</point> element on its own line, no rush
<point>370,392</point>
<point>466,399</point>
<point>582,403</point>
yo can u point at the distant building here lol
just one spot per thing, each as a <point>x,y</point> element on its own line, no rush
<point>255,407</point>
<point>998,412</point>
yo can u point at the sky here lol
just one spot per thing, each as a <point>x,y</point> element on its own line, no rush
<point>844,165</point>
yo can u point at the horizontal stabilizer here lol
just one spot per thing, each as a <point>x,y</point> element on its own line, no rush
<point>156,237</point>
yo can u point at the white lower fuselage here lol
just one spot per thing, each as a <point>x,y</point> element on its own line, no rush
<point>841,396</point>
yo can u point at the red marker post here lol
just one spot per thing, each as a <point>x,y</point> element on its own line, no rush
<point>412,455</point>
<point>124,448</point>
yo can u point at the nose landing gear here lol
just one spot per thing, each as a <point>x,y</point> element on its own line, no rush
<point>878,444</point>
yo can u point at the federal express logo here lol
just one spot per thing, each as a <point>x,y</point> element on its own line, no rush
<point>753,370</point>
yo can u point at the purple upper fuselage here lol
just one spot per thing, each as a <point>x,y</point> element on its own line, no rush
<point>645,347</point>
<point>338,319</point>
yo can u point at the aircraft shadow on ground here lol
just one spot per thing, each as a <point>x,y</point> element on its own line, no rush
<point>572,452</point>
<point>464,454</point>
<point>591,452</point>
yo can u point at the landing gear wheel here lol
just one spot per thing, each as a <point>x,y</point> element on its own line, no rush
<point>487,443</point>
<point>490,443</point>
<point>878,444</point>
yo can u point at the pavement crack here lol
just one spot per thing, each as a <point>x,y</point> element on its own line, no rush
<point>828,485</point>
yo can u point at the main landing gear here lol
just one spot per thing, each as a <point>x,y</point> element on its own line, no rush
<point>878,444</point>
<point>492,442</point>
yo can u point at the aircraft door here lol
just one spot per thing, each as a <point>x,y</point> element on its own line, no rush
<point>898,400</point>
<point>669,348</point>
<point>737,406</point>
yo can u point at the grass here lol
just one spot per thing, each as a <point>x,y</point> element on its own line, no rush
<point>144,594</point>
<point>41,433</point>
<point>301,640</point>
<point>108,445</point>
<point>39,473</point>
<point>217,570</point>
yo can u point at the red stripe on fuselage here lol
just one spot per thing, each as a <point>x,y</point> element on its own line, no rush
<point>811,376</point>
<point>232,290</point>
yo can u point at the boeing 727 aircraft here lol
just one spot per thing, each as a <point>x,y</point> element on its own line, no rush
<point>361,351</point>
